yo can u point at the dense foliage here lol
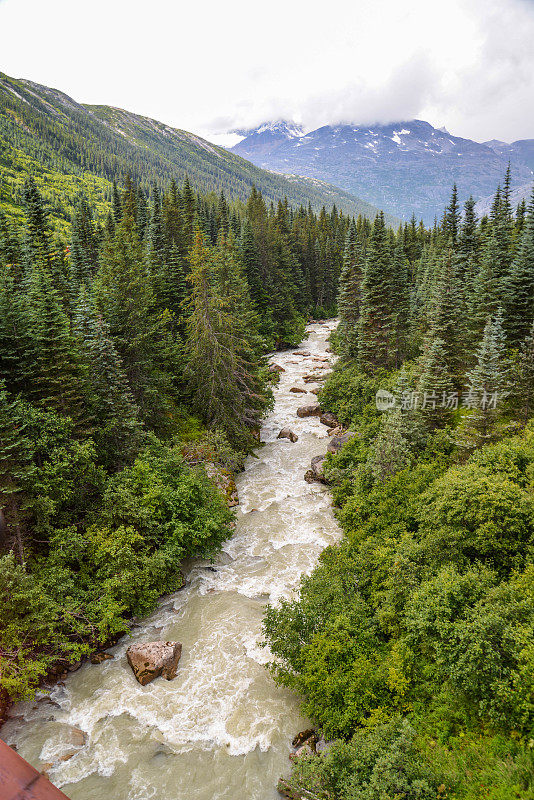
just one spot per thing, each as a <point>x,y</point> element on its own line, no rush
<point>412,641</point>
<point>130,356</point>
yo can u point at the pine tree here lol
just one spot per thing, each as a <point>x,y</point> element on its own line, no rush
<point>113,408</point>
<point>489,384</point>
<point>188,216</point>
<point>435,382</point>
<point>14,341</point>
<point>125,297</point>
<point>16,468</point>
<point>518,289</point>
<point>37,243</point>
<point>466,252</point>
<point>116,204</point>
<point>525,387</point>
<point>10,248</point>
<point>223,381</point>
<point>451,222</point>
<point>400,303</point>
<point>83,247</point>
<point>374,335</point>
<point>53,367</point>
<point>349,295</point>
<point>449,316</point>
<point>487,295</point>
<point>251,264</point>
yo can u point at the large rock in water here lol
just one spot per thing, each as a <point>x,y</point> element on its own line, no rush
<point>336,442</point>
<point>149,660</point>
<point>316,471</point>
<point>287,433</point>
<point>313,410</point>
<point>329,419</point>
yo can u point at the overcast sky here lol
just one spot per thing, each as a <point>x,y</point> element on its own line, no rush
<point>212,67</point>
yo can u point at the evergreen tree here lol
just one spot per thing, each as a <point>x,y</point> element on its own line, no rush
<point>525,386</point>
<point>117,427</point>
<point>489,384</point>
<point>142,338</point>
<point>374,335</point>
<point>349,295</point>
<point>83,247</point>
<point>435,382</point>
<point>222,378</point>
<point>53,367</point>
<point>451,222</point>
<point>466,253</point>
<point>16,469</point>
<point>251,264</point>
<point>518,289</point>
<point>14,342</point>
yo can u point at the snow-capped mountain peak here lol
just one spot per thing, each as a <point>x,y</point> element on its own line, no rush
<point>403,166</point>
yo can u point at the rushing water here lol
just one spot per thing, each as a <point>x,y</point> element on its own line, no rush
<point>221,729</point>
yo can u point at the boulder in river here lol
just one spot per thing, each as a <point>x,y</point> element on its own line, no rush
<point>336,442</point>
<point>149,660</point>
<point>276,368</point>
<point>316,472</point>
<point>313,410</point>
<point>297,390</point>
<point>287,433</point>
<point>329,419</point>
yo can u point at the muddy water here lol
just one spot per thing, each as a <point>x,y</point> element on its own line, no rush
<point>221,729</point>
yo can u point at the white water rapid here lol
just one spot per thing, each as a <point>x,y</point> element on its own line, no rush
<point>221,730</point>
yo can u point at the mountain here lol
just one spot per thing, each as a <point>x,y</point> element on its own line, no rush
<point>72,148</point>
<point>403,167</point>
<point>522,150</point>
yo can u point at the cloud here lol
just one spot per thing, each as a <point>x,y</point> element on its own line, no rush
<point>211,67</point>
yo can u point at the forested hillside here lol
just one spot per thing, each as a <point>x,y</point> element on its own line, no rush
<point>412,641</point>
<point>131,355</point>
<point>71,148</point>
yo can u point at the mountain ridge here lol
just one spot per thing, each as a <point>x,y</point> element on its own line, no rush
<point>72,148</point>
<point>404,167</point>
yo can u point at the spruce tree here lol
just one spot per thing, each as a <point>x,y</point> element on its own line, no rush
<point>451,222</point>
<point>84,247</point>
<point>222,379</point>
<point>489,385</point>
<point>53,375</point>
<point>16,468</point>
<point>435,383</point>
<point>374,334</point>
<point>125,297</point>
<point>117,428</point>
<point>518,289</point>
<point>349,295</point>
<point>251,265</point>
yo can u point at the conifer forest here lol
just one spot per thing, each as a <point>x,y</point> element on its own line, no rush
<point>266,449</point>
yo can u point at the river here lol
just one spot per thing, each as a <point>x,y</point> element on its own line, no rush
<point>221,730</point>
